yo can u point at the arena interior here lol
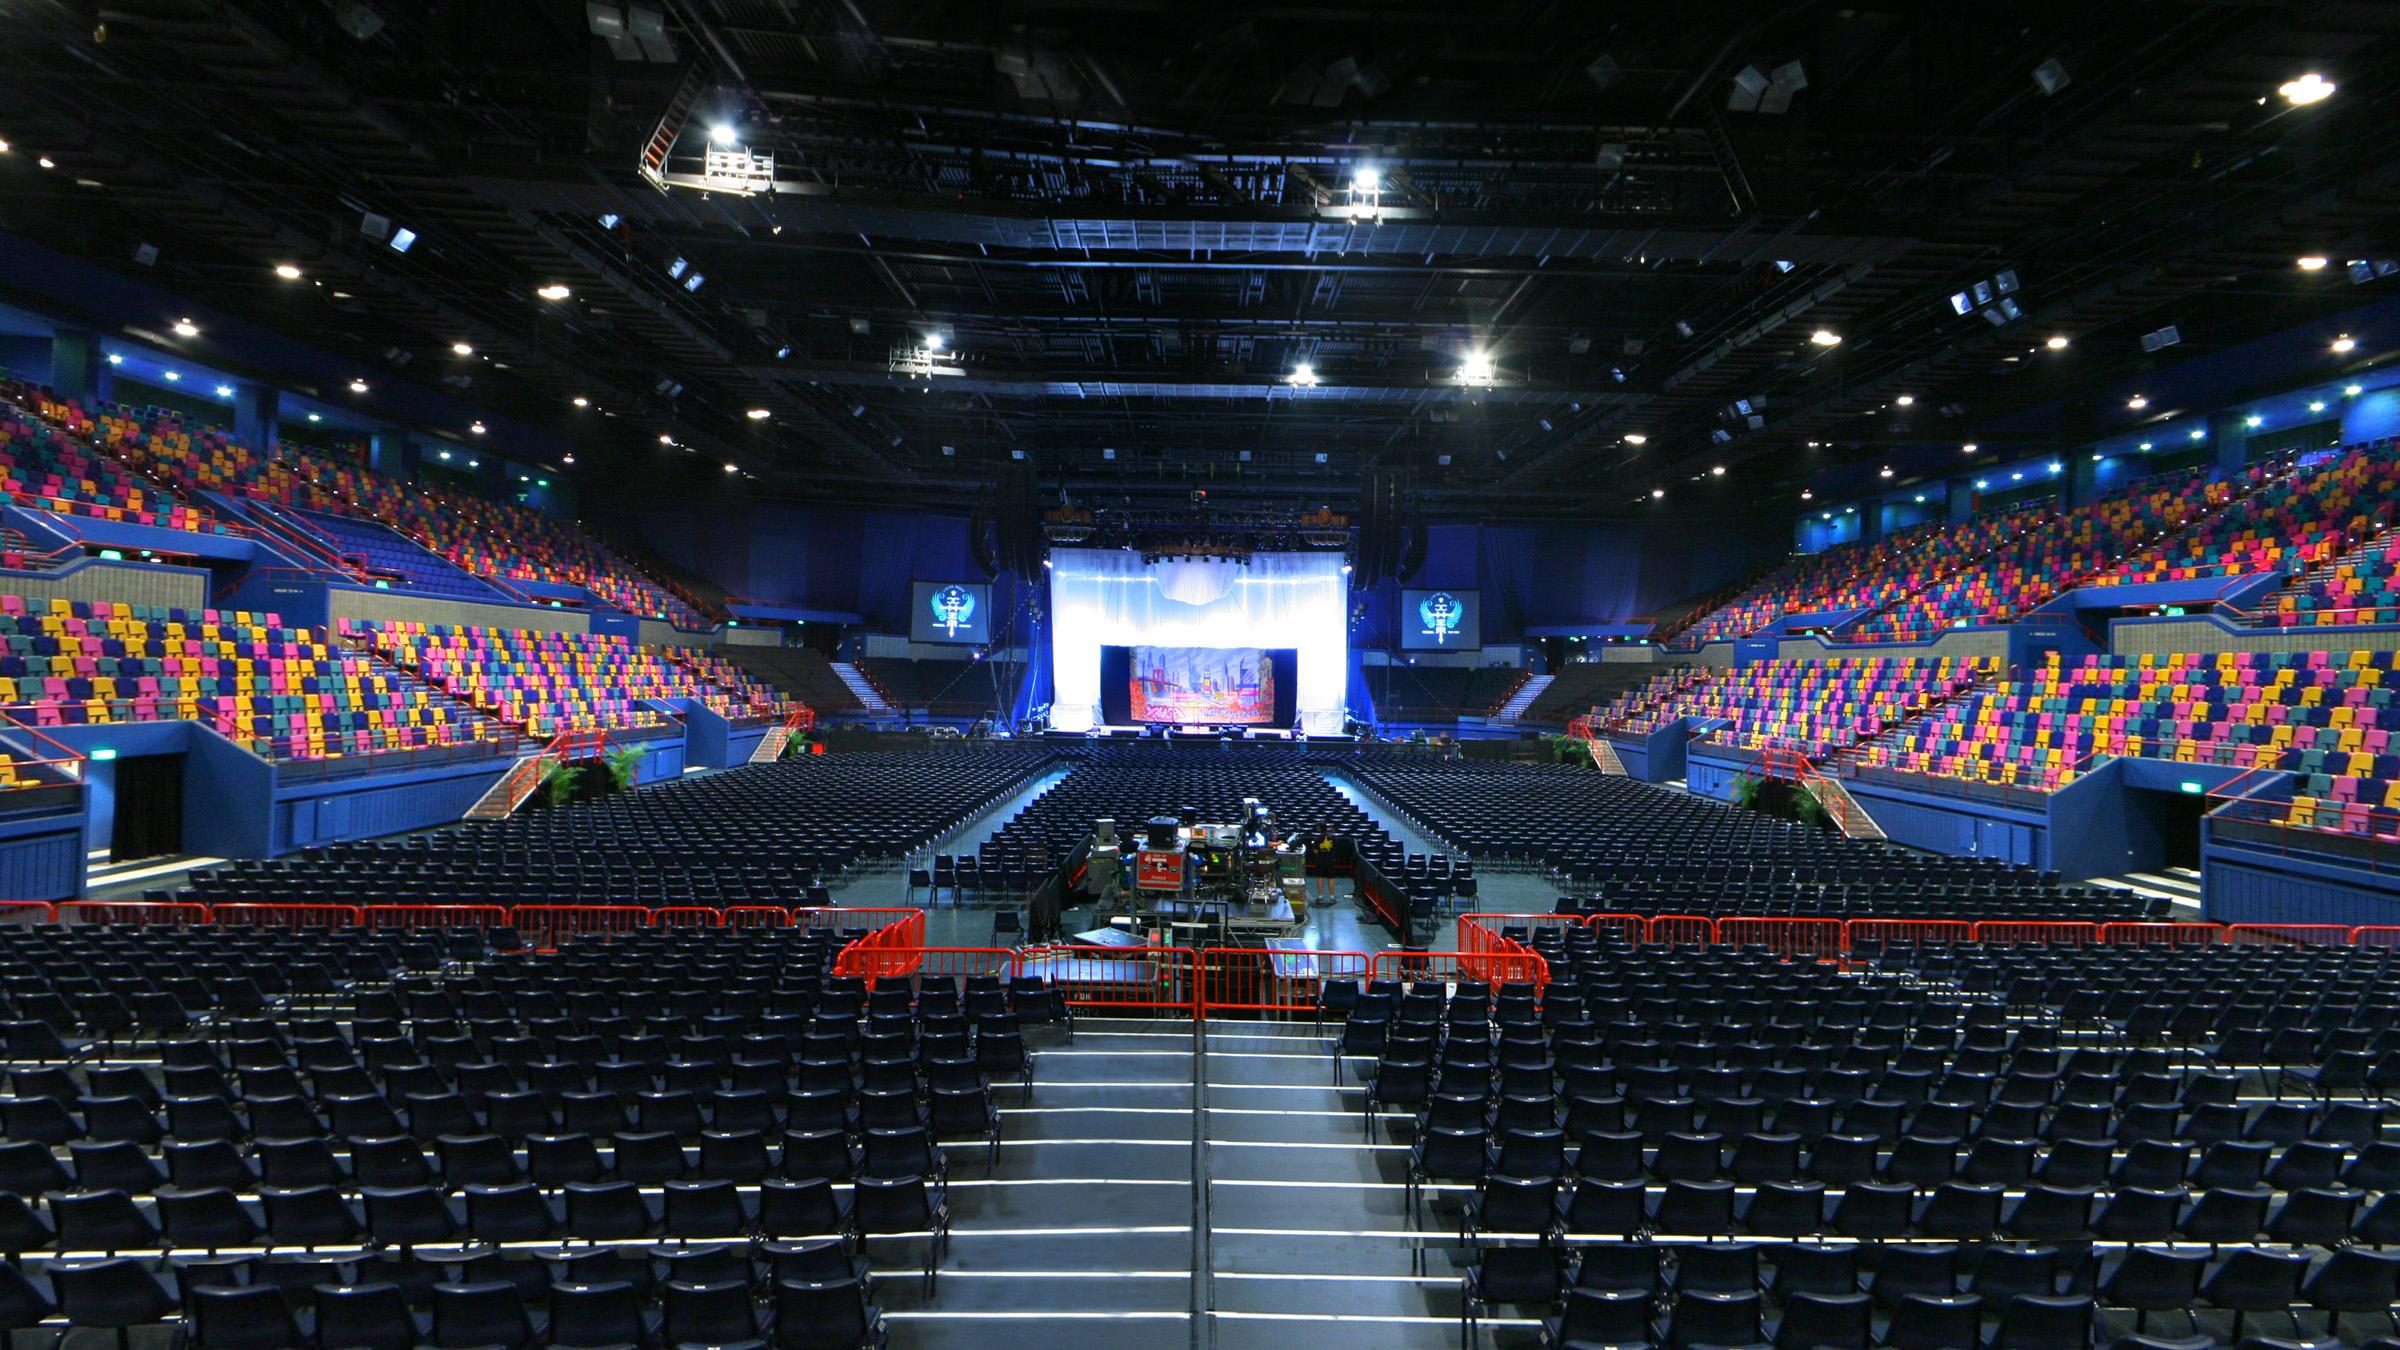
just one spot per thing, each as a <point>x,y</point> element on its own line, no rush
<point>726,673</point>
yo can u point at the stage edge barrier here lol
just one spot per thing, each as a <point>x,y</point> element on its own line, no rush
<point>1259,979</point>
<point>1160,979</point>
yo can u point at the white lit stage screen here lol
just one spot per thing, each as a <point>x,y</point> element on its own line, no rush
<point>1287,611</point>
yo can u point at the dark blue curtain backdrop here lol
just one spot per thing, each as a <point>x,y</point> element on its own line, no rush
<point>1529,573</point>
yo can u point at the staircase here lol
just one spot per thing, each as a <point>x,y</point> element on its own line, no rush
<point>856,681</point>
<point>771,746</point>
<point>1848,816</point>
<point>1519,701</point>
<point>1604,757</point>
<point>513,787</point>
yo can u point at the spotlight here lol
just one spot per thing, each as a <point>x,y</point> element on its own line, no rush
<point>582,402</point>
<point>2254,420</point>
<point>2056,467</point>
<point>2313,262</point>
<point>1905,400</point>
<point>665,439</point>
<point>47,162</point>
<point>462,348</point>
<point>2137,402</point>
<point>2145,446</point>
<point>2318,406</point>
<point>358,386</point>
<point>1304,374</point>
<point>2016,478</point>
<point>185,328</point>
<point>3,147</point>
<point>1636,438</point>
<point>566,459</point>
<point>474,463</point>
<point>733,468</point>
<point>933,342</point>
<point>1476,369</point>
<point>610,220</point>
<point>1716,471</point>
<point>554,291</point>
<point>445,454</point>
<point>2344,343</point>
<point>174,376</point>
<point>2199,434</point>
<point>2057,342</point>
<point>476,428</point>
<point>1920,498</point>
<point>116,359</point>
<point>723,133</point>
<point>1886,472</point>
<point>1807,496</point>
<point>224,391</point>
<point>1969,448</point>
<point>1982,483</point>
<point>1657,493</point>
<point>2352,390</point>
<point>1826,337</point>
<point>2309,88</point>
<point>1366,178</point>
<point>287,271</point>
<point>316,417</point>
<point>759,414</point>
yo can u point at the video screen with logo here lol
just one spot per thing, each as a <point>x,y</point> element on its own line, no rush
<point>952,611</point>
<point>1441,621</point>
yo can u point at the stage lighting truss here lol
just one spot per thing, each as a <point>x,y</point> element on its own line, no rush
<point>922,361</point>
<point>737,169</point>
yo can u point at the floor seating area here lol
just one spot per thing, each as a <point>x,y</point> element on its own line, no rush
<point>2012,1148</point>
<point>767,834</point>
<point>1814,707</point>
<point>395,1138</point>
<point>1627,847</point>
<point>553,683</point>
<point>287,693</point>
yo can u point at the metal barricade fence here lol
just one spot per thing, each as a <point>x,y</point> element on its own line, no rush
<point>175,914</point>
<point>757,916</point>
<point>1905,932</point>
<point>1260,979</point>
<point>1632,928</point>
<point>547,927</point>
<point>1493,957</point>
<point>2048,934</point>
<point>876,963</point>
<point>853,920</point>
<point>1158,979</point>
<point>285,916</point>
<point>27,913</point>
<point>2375,935</point>
<point>687,916</point>
<point>1454,967</point>
<point>1679,929</point>
<point>436,916</point>
<point>2288,935</point>
<point>1797,939</point>
<point>2162,934</point>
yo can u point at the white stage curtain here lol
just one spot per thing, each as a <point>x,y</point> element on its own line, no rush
<point>1108,597</point>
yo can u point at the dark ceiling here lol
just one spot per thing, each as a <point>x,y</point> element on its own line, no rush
<point>1132,220</point>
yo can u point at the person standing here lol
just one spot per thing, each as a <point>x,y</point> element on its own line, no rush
<point>1320,861</point>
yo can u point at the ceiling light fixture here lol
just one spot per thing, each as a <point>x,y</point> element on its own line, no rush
<point>358,386</point>
<point>2056,342</point>
<point>1304,374</point>
<point>1366,178</point>
<point>1826,337</point>
<point>287,271</point>
<point>1905,400</point>
<point>173,376</point>
<point>477,428</point>
<point>759,414</point>
<point>1886,472</point>
<point>224,391</point>
<point>1716,471</point>
<point>733,468</point>
<point>554,291</point>
<point>2309,88</point>
<point>2344,343</point>
<point>2312,262</point>
<point>582,402</point>
<point>1969,448</point>
<point>185,328</point>
<point>462,348</point>
<point>316,417</point>
<point>724,133</point>
<point>665,439</point>
<point>2254,420</point>
<point>2352,390</point>
<point>2137,402</point>
<point>1636,438</point>
<point>1657,493</point>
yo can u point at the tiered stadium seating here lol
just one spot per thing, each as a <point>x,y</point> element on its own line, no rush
<point>1635,848</point>
<point>2360,588</point>
<point>288,693</point>
<point>798,673</point>
<point>43,466</point>
<point>2300,518</point>
<point>1579,686</point>
<point>767,834</point>
<point>943,688</point>
<point>1815,707</point>
<point>2326,715</point>
<point>1408,693</point>
<point>385,552</point>
<point>552,683</point>
<point>487,538</point>
<point>1863,576</point>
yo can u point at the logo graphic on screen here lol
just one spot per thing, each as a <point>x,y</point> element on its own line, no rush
<point>953,608</point>
<point>1441,613</point>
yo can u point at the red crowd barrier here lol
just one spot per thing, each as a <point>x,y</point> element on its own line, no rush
<point>436,916</point>
<point>1803,939</point>
<point>1454,967</point>
<point>172,915</point>
<point>757,916</point>
<point>1259,979</point>
<point>2047,934</point>
<point>874,961</point>
<point>285,916</point>
<point>687,916</point>
<point>1631,927</point>
<point>2289,935</point>
<point>1907,932</point>
<point>1153,979</point>
<point>861,919</point>
<point>551,926</point>
<point>27,913</point>
<point>2162,934</point>
<point>2375,935</point>
<point>1678,929</point>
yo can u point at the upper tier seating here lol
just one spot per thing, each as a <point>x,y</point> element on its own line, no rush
<point>1409,693</point>
<point>552,683</point>
<point>1579,686</point>
<point>2297,519</point>
<point>287,693</point>
<point>1863,576</point>
<point>1642,849</point>
<point>384,550</point>
<point>486,538</point>
<point>2324,714</point>
<point>1815,707</point>
<point>41,465</point>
